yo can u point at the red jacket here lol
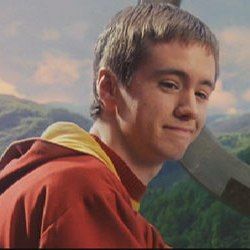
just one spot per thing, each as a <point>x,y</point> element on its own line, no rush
<point>55,196</point>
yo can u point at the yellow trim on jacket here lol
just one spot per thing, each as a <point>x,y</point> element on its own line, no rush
<point>72,136</point>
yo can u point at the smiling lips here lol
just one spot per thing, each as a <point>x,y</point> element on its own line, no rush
<point>180,130</point>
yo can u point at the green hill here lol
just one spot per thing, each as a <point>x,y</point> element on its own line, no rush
<point>235,142</point>
<point>20,119</point>
<point>229,124</point>
<point>189,217</point>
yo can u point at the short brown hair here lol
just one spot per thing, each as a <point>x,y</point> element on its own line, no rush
<point>123,44</point>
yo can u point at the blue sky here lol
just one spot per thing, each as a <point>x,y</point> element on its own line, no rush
<point>47,47</point>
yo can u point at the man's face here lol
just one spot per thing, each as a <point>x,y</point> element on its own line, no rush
<point>164,109</point>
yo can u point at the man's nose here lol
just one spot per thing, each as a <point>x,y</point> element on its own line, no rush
<point>187,106</point>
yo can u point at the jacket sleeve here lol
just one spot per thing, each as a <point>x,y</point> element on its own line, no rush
<point>102,219</point>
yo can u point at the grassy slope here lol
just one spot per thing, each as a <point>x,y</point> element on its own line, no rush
<point>20,119</point>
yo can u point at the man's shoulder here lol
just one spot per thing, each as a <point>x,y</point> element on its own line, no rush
<point>75,172</point>
<point>71,175</point>
<point>64,182</point>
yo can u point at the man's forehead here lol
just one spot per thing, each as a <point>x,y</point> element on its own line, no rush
<point>178,53</point>
<point>150,45</point>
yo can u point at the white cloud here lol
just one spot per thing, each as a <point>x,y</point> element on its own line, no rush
<point>57,69</point>
<point>235,46</point>
<point>232,111</point>
<point>76,30</point>
<point>8,89</point>
<point>222,101</point>
<point>50,35</point>
<point>12,29</point>
<point>246,96</point>
<point>235,64</point>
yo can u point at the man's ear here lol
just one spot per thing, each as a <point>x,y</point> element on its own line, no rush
<point>107,89</point>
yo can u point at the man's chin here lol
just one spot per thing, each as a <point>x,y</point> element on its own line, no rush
<point>176,151</point>
<point>176,156</point>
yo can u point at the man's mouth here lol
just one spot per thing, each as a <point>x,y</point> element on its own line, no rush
<point>186,131</point>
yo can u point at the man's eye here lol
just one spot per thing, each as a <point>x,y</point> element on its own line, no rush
<point>202,95</point>
<point>169,85</point>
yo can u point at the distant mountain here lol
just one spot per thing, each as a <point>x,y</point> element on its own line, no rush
<point>21,118</point>
<point>235,142</point>
<point>216,117</point>
<point>229,124</point>
<point>74,108</point>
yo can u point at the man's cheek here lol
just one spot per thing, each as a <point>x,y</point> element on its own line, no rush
<point>199,128</point>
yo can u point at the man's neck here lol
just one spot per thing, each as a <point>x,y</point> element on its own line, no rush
<point>144,170</point>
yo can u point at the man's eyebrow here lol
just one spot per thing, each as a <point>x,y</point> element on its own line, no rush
<point>208,83</point>
<point>172,71</point>
<point>183,75</point>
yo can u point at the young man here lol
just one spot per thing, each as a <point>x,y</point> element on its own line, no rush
<point>154,70</point>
